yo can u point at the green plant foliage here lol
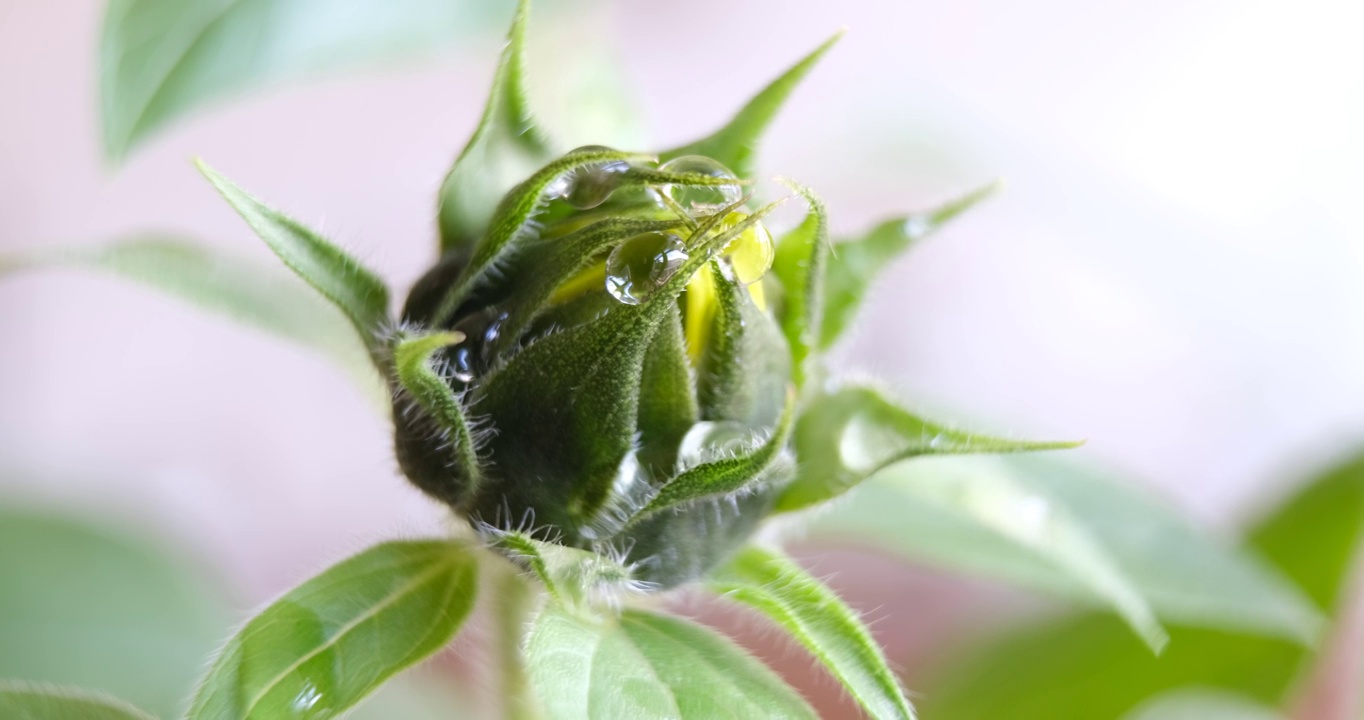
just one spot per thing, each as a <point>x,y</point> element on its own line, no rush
<point>24,701</point>
<point>778,588</point>
<point>161,59</point>
<point>800,268</point>
<point>575,578</point>
<point>505,147</point>
<point>358,292</point>
<point>413,372</point>
<point>735,143</point>
<point>646,665</point>
<point>848,435</point>
<point>1083,663</point>
<point>259,296</point>
<point>1201,704</point>
<point>331,641</point>
<point>856,262</point>
<point>82,604</point>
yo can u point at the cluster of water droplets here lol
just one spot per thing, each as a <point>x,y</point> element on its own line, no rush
<point>700,199</point>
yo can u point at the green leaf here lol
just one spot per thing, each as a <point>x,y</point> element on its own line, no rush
<point>1188,576</point>
<point>855,263</point>
<point>847,436</point>
<point>331,641</point>
<point>649,666</point>
<point>360,294</point>
<point>799,267</point>
<point>744,373</point>
<point>736,472</point>
<point>669,409</point>
<point>1085,665</point>
<point>735,143</point>
<point>25,701</point>
<point>93,606</point>
<point>574,577</point>
<point>815,616</point>
<point>415,374</point>
<point>505,147</point>
<point>161,59</point>
<point>219,282</point>
<point>1202,704</point>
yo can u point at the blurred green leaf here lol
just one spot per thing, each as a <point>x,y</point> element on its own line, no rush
<point>84,605</point>
<point>160,59</point>
<point>815,616</point>
<point>220,282</point>
<point>358,292</point>
<point>850,434</point>
<point>855,263</point>
<point>649,666</point>
<point>25,701</point>
<point>735,144</point>
<point>1202,704</point>
<point>505,147</point>
<point>1186,575</point>
<point>331,641</point>
<point>1085,666</point>
<point>572,576</point>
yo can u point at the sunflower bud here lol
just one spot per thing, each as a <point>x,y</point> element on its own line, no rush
<point>619,383</point>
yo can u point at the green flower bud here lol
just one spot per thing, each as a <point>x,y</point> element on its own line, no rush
<point>625,388</point>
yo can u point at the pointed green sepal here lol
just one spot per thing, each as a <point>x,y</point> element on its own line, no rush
<point>669,408</point>
<point>745,365</point>
<point>854,264</point>
<point>360,294</point>
<point>735,143</point>
<point>849,435</point>
<point>816,617</point>
<point>739,472</point>
<point>799,267</point>
<point>436,446</point>
<point>505,147</point>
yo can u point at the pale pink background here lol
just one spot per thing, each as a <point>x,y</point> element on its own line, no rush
<point>1173,273</point>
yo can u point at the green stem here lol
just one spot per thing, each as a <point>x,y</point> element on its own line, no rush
<point>515,601</point>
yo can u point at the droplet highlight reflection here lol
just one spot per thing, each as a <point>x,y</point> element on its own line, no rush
<point>638,267</point>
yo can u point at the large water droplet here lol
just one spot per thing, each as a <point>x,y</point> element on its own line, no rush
<point>750,254</point>
<point>588,187</point>
<point>710,441</point>
<point>638,267</point>
<point>701,199</point>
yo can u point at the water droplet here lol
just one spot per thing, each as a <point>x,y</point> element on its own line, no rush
<point>701,198</point>
<point>588,187</point>
<point>473,355</point>
<point>917,226</point>
<point>750,254</point>
<point>709,441</point>
<point>641,265</point>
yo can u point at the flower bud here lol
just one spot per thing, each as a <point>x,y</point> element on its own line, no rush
<point>626,388</point>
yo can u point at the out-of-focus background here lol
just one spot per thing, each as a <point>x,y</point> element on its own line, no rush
<point>1174,271</point>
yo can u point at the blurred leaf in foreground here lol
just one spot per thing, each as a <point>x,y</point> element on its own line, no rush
<point>88,606</point>
<point>160,59</point>
<point>1084,667</point>
<point>27,701</point>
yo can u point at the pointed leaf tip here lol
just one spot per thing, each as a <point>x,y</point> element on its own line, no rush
<point>342,279</point>
<point>736,142</point>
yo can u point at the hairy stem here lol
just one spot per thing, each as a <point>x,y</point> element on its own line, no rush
<point>515,601</point>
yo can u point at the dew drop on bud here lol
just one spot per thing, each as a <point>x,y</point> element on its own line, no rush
<point>710,441</point>
<point>702,198</point>
<point>588,187</point>
<point>474,354</point>
<point>638,267</point>
<point>750,254</point>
